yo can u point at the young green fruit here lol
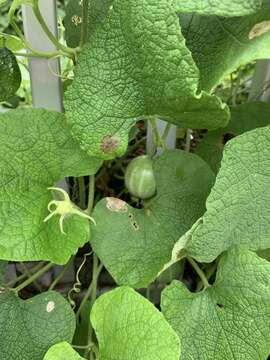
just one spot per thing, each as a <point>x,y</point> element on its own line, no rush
<point>139,177</point>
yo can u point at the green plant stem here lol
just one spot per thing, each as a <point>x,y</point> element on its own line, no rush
<point>82,192</point>
<point>50,35</point>
<point>148,292</point>
<point>29,274</point>
<point>93,293</point>
<point>208,275</point>
<point>23,276</point>
<point>89,290</point>
<point>188,140</point>
<point>35,276</point>
<point>166,133</point>
<point>135,146</point>
<point>61,274</point>
<point>236,88</point>
<point>91,194</point>
<point>39,55</point>
<point>34,52</point>
<point>199,272</point>
<point>84,28</point>
<point>157,138</point>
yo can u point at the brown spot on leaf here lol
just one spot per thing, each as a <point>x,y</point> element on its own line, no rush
<point>116,205</point>
<point>109,144</point>
<point>259,29</point>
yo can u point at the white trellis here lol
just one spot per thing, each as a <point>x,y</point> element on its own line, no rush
<point>46,87</point>
<point>260,89</point>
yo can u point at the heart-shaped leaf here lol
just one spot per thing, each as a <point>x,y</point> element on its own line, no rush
<point>135,244</point>
<point>135,65</point>
<point>29,328</point>
<point>238,205</point>
<point>35,152</point>
<point>62,351</point>
<point>220,45</point>
<point>129,327</point>
<point>229,320</point>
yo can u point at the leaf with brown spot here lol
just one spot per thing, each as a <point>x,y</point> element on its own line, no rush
<point>135,244</point>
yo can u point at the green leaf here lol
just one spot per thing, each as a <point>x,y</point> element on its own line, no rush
<point>238,205</point>
<point>244,118</point>
<point>220,45</point>
<point>36,151</point>
<point>73,22</point>
<point>10,75</point>
<point>135,65</point>
<point>62,351</point>
<point>218,7</point>
<point>29,328</point>
<point>229,320</point>
<point>135,244</point>
<point>129,327</point>
<point>11,42</point>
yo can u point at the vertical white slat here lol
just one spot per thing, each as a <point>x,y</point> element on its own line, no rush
<point>260,88</point>
<point>46,86</point>
<point>171,139</point>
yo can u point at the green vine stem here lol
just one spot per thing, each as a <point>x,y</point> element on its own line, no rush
<point>84,28</point>
<point>208,275</point>
<point>199,272</point>
<point>82,192</point>
<point>61,274</point>
<point>188,140</point>
<point>24,275</point>
<point>95,275</point>
<point>35,276</point>
<point>39,55</point>
<point>88,293</point>
<point>29,274</point>
<point>62,49</point>
<point>50,35</point>
<point>91,194</point>
<point>33,52</point>
<point>166,134</point>
<point>157,138</point>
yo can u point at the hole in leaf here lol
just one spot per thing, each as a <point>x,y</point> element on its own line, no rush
<point>135,226</point>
